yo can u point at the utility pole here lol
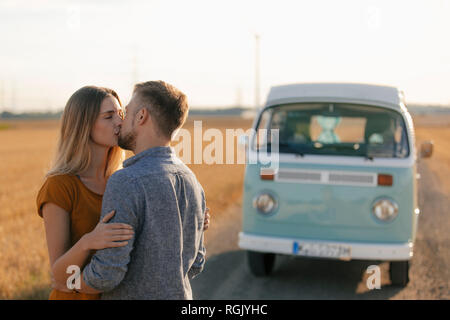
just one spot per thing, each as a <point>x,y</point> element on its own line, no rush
<point>238,102</point>
<point>257,104</point>
<point>2,95</point>
<point>13,95</point>
<point>134,71</point>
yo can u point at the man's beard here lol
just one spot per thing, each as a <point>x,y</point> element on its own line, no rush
<point>127,142</point>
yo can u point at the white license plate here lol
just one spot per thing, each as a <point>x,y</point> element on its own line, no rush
<point>322,250</point>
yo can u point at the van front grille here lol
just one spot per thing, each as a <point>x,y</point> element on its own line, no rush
<point>334,177</point>
<point>327,177</point>
<point>309,176</point>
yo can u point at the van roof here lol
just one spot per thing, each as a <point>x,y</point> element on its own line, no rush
<point>372,94</point>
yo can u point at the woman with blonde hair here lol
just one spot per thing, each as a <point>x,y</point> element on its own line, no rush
<point>70,199</point>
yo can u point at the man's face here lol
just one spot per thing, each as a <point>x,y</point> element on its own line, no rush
<point>127,136</point>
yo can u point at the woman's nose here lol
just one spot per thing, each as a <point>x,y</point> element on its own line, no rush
<point>118,121</point>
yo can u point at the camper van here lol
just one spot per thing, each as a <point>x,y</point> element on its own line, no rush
<point>341,182</point>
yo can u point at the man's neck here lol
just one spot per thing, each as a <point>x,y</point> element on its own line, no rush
<point>150,143</point>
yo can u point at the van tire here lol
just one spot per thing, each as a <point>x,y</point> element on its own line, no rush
<point>399,273</point>
<point>260,264</point>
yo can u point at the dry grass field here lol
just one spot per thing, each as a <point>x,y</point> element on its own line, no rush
<point>436,129</point>
<point>26,149</point>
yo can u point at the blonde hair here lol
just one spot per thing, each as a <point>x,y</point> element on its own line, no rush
<point>73,154</point>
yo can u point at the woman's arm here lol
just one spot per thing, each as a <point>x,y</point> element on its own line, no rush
<point>57,227</point>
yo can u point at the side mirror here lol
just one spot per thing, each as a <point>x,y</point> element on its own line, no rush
<point>426,149</point>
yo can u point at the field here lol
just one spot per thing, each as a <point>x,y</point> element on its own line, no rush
<point>26,149</point>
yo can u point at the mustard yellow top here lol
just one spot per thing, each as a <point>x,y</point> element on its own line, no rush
<point>84,207</point>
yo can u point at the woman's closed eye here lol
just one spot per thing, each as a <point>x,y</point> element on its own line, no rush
<point>111,113</point>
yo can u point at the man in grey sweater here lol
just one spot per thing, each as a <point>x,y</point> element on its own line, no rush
<point>160,198</point>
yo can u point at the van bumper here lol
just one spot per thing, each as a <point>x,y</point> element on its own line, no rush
<point>327,249</point>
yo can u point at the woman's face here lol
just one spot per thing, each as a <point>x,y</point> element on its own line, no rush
<point>106,128</point>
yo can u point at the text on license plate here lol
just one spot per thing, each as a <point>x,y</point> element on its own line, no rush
<point>321,250</point>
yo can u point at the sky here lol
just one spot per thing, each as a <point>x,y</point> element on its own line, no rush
<point>49,49</point>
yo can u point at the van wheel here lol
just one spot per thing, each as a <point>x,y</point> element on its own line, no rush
<point>261,264</point>
<point>399,273</point>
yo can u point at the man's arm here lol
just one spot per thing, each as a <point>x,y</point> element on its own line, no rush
<point>199,262</point>
<point>108,267</point>
<point>84,288</point>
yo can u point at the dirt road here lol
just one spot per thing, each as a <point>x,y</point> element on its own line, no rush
<point>226,275</point>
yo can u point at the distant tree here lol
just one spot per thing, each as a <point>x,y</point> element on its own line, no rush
<point>30,115</point>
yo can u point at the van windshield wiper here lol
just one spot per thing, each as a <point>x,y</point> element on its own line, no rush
<point>347,147</point>
<point>287,148</point>
<point>338,147</point>
<point>291,149</point>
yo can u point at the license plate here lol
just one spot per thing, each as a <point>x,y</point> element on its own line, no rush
<point>322,250</point>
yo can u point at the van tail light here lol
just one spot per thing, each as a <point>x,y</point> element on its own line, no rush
<point>385,180</point>
<point>267,174</point>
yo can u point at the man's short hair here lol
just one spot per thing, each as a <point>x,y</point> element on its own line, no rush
<point>166,104</point>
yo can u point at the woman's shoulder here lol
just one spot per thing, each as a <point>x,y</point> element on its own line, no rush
<point>58,189</point>
<point>60,185</point>
<point>60,180</point>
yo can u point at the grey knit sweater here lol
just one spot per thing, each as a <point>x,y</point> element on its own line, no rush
<point>162,200</point>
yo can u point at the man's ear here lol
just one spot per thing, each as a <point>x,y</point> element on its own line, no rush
<point>142,116</point>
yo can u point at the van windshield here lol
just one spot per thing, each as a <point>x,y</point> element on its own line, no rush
<point>334,129</point>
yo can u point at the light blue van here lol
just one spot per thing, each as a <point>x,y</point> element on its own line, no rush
<point>342,180</point>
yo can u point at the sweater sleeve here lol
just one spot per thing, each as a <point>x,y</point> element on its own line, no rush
<point>200,259</point>
<point>108,267</point>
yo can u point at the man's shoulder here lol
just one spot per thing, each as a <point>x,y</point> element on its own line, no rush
<point>189,176</point>
<point>122,177</point>
<point>135,174</point>
<point>142,173</point>
<point>180,167</point>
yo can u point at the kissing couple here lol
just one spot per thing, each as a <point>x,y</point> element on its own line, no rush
<point>132,230</point>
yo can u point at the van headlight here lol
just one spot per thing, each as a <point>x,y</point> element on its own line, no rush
<point>265,203</point>
<point>385,209</point>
